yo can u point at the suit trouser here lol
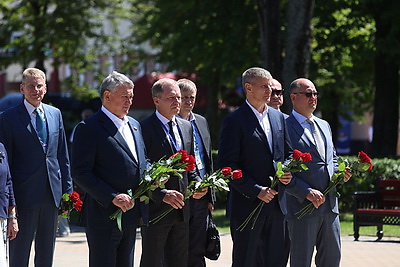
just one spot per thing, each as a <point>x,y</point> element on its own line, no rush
<point>39,223</point>
<point>165,243</point>
<point>198,231</point>
<point>265,245</point>
<point>322,231</point>
<point>109,247</point>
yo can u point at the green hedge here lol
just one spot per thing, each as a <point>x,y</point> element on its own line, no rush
<point>382,168</point>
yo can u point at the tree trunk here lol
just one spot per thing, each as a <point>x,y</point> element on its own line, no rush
<point>386,107</point>
<point>270,23</point>
<point>298,44</point>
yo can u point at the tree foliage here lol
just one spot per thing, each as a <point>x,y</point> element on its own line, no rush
<point>68,32</point>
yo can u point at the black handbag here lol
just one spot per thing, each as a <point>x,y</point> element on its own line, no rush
<point>213,243</point>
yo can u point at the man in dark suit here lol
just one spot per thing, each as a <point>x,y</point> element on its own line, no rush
<point>34,137</point>
<point>199,207</point>
<point>108,159</point>
<point>276,100</point>
<point>253,139</point>
<point>166,242</point>
<point>320,228</point>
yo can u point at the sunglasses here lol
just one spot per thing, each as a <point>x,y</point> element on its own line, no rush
<point>277,92</point>
<point>307,94</point>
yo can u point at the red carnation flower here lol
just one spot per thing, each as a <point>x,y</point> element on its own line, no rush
<point>74,196</point>
<point>237,174</point>
<point>78,205</point>
<point>297,154</point>
<point>226,171</point>
<point>306,157</point>
<point>364,157</point>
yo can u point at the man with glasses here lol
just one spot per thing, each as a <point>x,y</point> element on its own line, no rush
<point>276,100</point>
<point>165,243</point>
<point>321,228</point>
<point>252,139</point>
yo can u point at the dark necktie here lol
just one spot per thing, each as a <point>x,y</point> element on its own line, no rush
<point>319,143</point>
<point>41,127</point>
<point>171,132</point>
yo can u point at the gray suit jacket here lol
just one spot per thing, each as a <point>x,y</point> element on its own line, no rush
<point>319,171</point>
<point>37,176</point>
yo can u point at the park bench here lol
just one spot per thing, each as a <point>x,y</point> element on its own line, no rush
<point>379,207</point>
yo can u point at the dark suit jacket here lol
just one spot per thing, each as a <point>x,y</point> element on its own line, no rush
<point>27,160</point>
<point>6,188</point>
<point>159,146</point>
<point>103,166</point>
<point>319,171</point>
<point>202,125</point>
<point>243,145</point>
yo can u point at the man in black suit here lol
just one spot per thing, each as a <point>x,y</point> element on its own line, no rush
<point>253,139</point>
<point>108,159</point>
<point>166,242</point>
<point>202,150</point>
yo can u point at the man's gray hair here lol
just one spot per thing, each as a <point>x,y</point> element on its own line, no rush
<point>187,85</point>
<point>33,72</point>
<point>112,81</point>
<point>158,87</point>
<point>251,73</point>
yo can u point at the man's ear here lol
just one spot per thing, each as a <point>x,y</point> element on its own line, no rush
<point>156,101</point>
<point>247,87</point>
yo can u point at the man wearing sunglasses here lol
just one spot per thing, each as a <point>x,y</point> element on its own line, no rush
<point>276,100</point>
<point>321,228</point>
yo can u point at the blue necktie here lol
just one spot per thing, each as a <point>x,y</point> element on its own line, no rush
<point>41,128</point>
<point>197,152</point>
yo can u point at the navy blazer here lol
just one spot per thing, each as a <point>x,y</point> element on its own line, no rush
<point>243,145</point>
<point>6,187</point>
<point>158,146</point>
<point>34,172</point>
<point>103,166</point>
<point>319,170</point>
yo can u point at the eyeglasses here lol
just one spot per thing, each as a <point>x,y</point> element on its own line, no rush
<point>307,94</point>
<point>277,92</point>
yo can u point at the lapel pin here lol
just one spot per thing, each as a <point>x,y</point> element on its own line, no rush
<point>134,128</point>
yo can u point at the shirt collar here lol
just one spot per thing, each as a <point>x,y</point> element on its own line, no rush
<point>300,118</point>
<point>191,117</point>
<point>114,118</point>
<point>163,119</point>
<point>31,108</point>
<point>258,114</point>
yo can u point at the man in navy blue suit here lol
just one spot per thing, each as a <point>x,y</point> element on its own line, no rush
<point>108,159</point>
<point>253,139</point>
<point>321,228</point>
<point>34,137</point>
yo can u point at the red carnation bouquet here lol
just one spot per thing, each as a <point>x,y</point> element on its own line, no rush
<point>295,164</point>
<point>157,175</point>
<point>362,164</point>
<point>217,180</point>
<point>68,203</point>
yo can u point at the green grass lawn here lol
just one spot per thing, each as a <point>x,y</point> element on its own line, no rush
<point>346,225</point>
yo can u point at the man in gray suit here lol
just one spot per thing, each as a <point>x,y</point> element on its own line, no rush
<point>199,205</point>
<point>34,137</point>
<point>320,228</point>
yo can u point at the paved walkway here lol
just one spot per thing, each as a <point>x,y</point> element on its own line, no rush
<point>73,251</point>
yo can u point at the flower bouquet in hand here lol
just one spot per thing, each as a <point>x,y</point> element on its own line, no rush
<point>296,164</point>
<point>68,203</point>
<point>217,180</point>
<point>157,175</point>
<point>362,164</point>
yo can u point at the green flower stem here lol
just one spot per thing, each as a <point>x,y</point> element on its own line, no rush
<point>256,210</point>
